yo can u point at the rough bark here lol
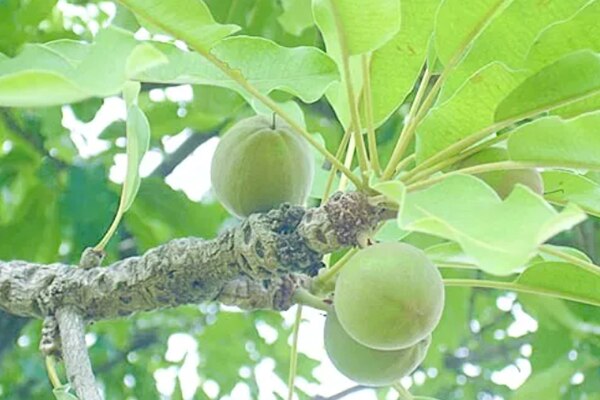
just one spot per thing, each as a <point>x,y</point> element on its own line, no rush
<point>75,355</point>
<point>257,264</point>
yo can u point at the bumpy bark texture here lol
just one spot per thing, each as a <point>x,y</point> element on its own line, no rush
<point>257,264</point>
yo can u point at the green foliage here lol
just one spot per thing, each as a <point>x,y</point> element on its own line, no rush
<point>519,74</point>
<point>465,210</point>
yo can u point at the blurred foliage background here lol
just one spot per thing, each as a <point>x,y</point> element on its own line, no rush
<point>56,198</point>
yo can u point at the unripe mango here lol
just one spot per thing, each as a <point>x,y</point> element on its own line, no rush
<point>259,164</point>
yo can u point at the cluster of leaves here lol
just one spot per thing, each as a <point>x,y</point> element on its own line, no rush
<point>519,72</point>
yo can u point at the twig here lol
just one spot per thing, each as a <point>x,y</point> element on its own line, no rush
<point>77,361</point>
<point>343,393</point>
<point>171,161</point>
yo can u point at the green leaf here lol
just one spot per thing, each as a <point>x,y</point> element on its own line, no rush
<point>464,209</point>
<point>144,56</point>
<point>509,37</point>
<point>305,72</point>
<point>296,16</point>
<point>189,20</point>
<point>37,78</point>
<point>138,140</point>
<point>459,22</point>
<point>552,140</point>
<point>547,384</point>
<point>577,33</point>
<point>469,111</point>
<point>572,78</point>
<point>363,26</point>
<point>67,71</point>
<point>393,190</point>
<point>408,48</point>
<point>449,252</point>
<point>562,187</point>
<point>562,279</point>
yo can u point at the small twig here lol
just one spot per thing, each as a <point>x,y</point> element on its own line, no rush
<point>171,161</point>
<point>75,355</point>
<point>343,393</point>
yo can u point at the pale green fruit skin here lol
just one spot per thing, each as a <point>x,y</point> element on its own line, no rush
<point>389,296</point>
<point>367,366</point>
<point>256,168</point>
<point>503,182</point>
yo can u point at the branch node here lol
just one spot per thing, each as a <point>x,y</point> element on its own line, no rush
<point>91,258</point>
<point>50,343</point>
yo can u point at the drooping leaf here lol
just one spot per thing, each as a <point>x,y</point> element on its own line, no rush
<point>464,209</point>
<point>188,20</point>
<point>138,140</point>
<point>572,78</point>
<point>396,65</point>
<point>552,140</point>
<point>562,187</point>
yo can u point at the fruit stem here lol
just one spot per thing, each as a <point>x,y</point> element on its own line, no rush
<point>368,104</point>
<point>402,392</point>
<point>411,123</point>
<point>330,273</point>
<point>52,374</point>
<point>305,298</point>
<point>294,354</point>
<point>588,266</point>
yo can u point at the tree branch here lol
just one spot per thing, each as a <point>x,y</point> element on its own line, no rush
<point>343,393</point>
<point>75,355</point>
<point>257,264</point>
<point>172,160</point>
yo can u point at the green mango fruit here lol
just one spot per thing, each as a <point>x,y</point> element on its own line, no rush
<point>259,164</point>
<point>504,181</point>
<point>389,296</point>
<point>367,366</point>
